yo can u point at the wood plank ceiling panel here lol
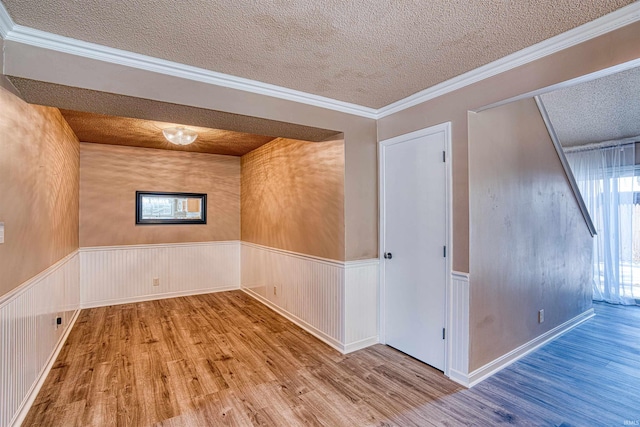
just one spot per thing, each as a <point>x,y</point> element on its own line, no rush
<point>103,129</point>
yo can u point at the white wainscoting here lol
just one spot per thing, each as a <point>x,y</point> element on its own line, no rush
<point>459,329</point>
<point>30,340</point>
<point>362,299</point>
<point>336,301</point>
<point>123,274</point>
<point>333,300</point>
<point>308,290</point>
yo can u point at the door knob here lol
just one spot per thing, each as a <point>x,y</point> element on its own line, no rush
<point>388,255</point>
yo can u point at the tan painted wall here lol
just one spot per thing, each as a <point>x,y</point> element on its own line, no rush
<point>530,248</point>
<point>110,176</point>
<point>504,298</point>
<point>293,197</point>
<point>39,159</point>
<point>361,205</point>
<point>602,52</point>
<point>361,193</point>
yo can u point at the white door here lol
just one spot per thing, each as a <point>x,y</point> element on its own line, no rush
<point>414,203</point>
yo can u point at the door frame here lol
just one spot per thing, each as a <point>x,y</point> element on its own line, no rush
<point>440,128</point>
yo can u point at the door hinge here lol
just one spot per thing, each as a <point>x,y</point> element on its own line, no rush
<point>444,251</point>
<point>444,156</point>
<point>443,333</point>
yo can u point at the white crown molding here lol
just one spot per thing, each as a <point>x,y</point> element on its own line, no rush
<point>6,23</point>
<point>32,37</point>
<point>612,21</point>
<point>57,43</point>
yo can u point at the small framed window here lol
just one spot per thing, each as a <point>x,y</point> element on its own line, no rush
<point>153,207</point>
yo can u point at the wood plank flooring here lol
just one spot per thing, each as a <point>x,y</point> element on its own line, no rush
<point>225,359</point>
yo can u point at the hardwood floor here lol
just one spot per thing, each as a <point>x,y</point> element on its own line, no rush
<point>225,359</point>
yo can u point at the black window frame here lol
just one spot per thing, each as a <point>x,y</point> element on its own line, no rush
<point>164,221</point>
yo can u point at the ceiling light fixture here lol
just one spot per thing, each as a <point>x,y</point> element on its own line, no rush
<point>179,135</point>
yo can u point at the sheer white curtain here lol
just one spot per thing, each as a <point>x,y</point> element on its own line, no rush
<point>607,183</point>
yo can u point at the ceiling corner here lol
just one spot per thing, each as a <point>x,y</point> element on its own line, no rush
<point>25,36</point>
<point>6,23</point>
<point>605,24</point>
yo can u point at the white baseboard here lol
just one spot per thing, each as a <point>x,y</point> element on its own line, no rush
<point>500,363</point>
<point>35,389</point>
<point>459,377</point>
<point>153,297</point>
<point>304,325</point>
<point>359,345</point>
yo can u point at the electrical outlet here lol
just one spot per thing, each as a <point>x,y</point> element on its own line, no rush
<point>57,322</point>
<point>275,290</point>
<point>540,316</point>
<point>1,232</point>
<point>156,281</point>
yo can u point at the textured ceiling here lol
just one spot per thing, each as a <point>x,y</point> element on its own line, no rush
<point>370,53</point>
<point>71,98</point>
<point>101,129</point>
<point>604,109</point>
